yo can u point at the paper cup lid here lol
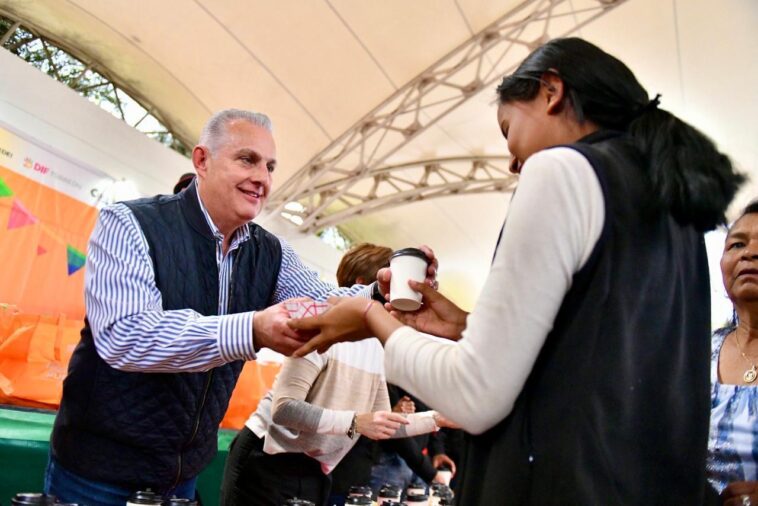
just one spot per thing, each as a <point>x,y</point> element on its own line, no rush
<point>414,252</point>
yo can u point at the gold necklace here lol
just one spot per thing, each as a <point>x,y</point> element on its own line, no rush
<point>752,373</point>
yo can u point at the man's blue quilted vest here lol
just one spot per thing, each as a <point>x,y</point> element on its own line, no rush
<point>154,430</point>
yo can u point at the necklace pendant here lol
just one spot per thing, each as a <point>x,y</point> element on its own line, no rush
<point>750,375</point>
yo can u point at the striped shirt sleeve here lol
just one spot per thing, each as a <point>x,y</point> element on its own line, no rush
<point>131,330</point>
<point>297,280</point>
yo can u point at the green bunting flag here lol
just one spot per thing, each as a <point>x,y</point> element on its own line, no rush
<point>75,259</point>
<point>5,190</point>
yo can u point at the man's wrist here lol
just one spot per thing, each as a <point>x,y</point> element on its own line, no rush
<point>236,336</point>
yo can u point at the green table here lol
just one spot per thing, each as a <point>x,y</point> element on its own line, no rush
<point>24,441</point>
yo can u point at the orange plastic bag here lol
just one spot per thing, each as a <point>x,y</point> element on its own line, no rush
<point>35,351</point>
<point>34,355</point>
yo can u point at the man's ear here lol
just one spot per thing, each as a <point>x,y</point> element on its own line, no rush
<point>554,92</point>
<point>200,155</point>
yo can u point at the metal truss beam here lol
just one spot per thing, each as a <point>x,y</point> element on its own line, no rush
<point>326,183</point>
<point>393,185</point>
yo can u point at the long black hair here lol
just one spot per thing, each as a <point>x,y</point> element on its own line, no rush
<point>689,177</point>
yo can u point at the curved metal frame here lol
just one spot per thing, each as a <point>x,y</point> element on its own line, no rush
<point>323,186</point>
<point>405,183</point>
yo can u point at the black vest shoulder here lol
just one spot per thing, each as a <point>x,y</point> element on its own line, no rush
<point>616,408</point>
<point>156,429</point>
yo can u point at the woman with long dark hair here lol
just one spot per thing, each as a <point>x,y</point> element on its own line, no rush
<point>583,368</point>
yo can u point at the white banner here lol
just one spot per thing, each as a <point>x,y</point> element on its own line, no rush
<point>32,159</point>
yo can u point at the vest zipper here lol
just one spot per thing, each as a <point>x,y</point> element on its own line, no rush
<point>194,430</point>
<point>230,289</point>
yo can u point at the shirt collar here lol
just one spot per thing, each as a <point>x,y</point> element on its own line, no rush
<point>242,233</point>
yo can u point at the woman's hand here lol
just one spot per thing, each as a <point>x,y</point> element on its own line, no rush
<point>349,319</point>
<point>441,459</point>
<point>379,424</point>
<point>344,321</point>
<point>739,493</point>
<point>443,422</point>
<point>438,316</point>
<point>384,275</point>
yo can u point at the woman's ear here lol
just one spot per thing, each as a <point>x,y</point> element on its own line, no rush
<point>554,92</point>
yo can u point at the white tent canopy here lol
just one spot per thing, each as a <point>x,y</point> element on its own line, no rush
<point>320,68</point>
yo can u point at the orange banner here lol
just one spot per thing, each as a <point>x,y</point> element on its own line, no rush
<point>43,237</point>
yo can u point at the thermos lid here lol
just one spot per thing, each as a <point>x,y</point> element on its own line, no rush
<point>32,498</point>
<point>358,499</point>
<point>359,490</point>
<point>179,501</point>
<point>388,487</point>
<point>146,497</point>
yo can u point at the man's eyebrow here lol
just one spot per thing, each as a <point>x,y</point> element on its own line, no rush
<point>253,152</point>
<point>248,151</point>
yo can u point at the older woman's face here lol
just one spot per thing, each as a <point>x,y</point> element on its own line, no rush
<point>739,263</point>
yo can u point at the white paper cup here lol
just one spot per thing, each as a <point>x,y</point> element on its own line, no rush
<point>405,264</point>
<point>446,475</point>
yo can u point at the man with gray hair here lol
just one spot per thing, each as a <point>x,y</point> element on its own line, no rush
<point>180,290</point>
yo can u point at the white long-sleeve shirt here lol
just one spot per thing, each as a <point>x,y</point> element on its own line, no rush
<point>554,222</point>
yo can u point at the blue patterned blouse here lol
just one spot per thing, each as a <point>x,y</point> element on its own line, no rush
<point>733,436</point>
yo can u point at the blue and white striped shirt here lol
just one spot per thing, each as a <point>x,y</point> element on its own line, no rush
<point>131,330</point>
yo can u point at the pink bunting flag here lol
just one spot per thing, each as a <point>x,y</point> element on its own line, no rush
<point>19,216</point>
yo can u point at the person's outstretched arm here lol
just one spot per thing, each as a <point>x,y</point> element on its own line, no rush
<point>132,331</point>
<point>554,222</point>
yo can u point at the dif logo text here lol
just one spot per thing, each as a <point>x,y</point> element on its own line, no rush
<point>36,166</point>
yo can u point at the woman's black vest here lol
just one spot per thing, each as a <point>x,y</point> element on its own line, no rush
<point>616,408</point>
<point>141,430</point>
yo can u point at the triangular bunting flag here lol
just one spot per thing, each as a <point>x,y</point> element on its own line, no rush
<point>19,216</point>
<point>75,259</point>
<point>5,190</point>
<point>41,250</point>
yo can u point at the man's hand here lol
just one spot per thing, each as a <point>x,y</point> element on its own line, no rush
<point>443,460</point>
<point>379,424</point>
<point>270,330</point>
<point>438,315</point>
<point>738,493</point>
<point>383,275</point>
